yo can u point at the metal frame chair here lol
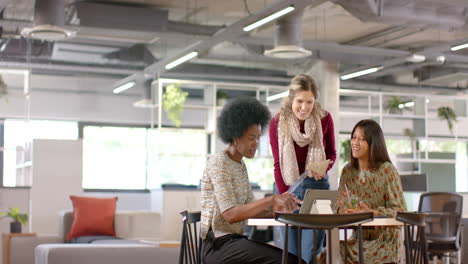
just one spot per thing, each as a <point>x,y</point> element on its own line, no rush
<point>443,228</point>
<point>190,244</point>
<point>325,222</point>
<point>415,240</point>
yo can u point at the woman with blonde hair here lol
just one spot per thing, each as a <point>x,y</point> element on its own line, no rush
<point>302,133</point>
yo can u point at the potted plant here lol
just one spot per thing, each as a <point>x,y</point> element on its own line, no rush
<point>395,105</point>
<point>17,217</point>
<point>446,113</point>
<point>221,98</point>
<point>173,102</point>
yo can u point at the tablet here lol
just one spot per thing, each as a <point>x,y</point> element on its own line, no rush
<point>311,195</point>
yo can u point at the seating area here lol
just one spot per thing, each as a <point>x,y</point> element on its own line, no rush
<point>139,234</point>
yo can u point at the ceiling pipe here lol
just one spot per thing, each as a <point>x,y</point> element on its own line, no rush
<point>397,88</point>
<point>49,12</point>
<point>49,20</point>
<point>288,30</point>
<point>288,37</point>
<point>403,13</point>
<point>74,69</point>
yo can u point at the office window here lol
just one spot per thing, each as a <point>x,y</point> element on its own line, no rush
<point>114,157</point>
<point>176,156</point>
<point>18,136</point>
<point>261,171</point>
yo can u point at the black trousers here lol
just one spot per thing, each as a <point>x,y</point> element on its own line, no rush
<point>237,249</point>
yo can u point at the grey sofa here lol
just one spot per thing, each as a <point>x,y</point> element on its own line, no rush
<point>104,253</point>
<point>141,231</point>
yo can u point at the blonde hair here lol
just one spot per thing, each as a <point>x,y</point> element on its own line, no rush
<point>301,82</point>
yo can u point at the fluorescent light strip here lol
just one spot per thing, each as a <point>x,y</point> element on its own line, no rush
<point>269,18</point>
<point>124,87</point>
<point>277,96</point>
<point>360,73</point>
<point>181,60</point>
<point>459,47</point>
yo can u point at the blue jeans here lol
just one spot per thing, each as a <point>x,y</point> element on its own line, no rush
<point>307,235</point>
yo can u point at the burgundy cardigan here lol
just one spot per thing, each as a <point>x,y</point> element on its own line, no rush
<point>301,153</point>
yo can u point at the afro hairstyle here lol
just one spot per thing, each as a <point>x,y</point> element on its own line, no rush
<point>238,115</point>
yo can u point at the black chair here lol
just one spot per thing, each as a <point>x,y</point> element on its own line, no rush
<point>443,223</point>
<point>415,240</point>
<point>324,222</point>
<point>190,244</point>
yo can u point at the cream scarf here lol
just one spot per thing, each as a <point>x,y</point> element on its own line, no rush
<point>288,133</point>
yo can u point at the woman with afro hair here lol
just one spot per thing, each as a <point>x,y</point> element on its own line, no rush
<point>227,198</point>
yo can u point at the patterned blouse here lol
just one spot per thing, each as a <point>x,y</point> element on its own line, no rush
<point>381,190</point>
<point>225,184</point>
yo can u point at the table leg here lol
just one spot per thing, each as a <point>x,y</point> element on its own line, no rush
<point>333,246</point>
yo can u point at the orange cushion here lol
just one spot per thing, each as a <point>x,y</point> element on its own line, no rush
<point>92,216</point>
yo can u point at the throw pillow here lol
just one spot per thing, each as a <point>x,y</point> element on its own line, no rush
<point>92,216</point>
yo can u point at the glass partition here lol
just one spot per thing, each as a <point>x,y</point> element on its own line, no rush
<point>15,147</point>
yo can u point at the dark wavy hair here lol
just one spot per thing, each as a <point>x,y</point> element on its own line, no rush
<point>375,139</point>
<point>238,115</point>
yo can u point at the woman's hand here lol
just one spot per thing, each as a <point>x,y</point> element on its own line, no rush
<point>363,207</point>
<point>317,176</point>
<point>285,202</point>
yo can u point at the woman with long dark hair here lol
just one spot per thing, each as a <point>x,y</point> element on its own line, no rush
<point>371,178</point>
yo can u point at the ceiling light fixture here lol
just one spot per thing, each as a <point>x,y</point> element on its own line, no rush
<point>408,104</point>
<point>459,47</point>
<point>124,87</point>
<point>360,73</point>
<point>277,96</point>
<point>181,60</point>
<point>4,45</point>
<point>269,18</point>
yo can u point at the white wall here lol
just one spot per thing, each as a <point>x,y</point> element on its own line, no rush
<point>57,174</point>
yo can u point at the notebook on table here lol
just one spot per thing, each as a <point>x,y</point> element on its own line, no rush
<point>311,195</point>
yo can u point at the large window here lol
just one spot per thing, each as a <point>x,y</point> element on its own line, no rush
<point>138,158</point>
<point>114,157</point>
<point>18,136</point>
<point>178,156</point>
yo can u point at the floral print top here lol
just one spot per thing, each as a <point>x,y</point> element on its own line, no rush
<point>381,190</point>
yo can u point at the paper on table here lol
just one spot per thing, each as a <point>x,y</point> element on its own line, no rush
<point>319,167</point>
<point>297,182</point>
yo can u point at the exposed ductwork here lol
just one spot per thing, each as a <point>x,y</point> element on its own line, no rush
<point>288,38</point>
<point>49,19</point>
<point>415,13</point>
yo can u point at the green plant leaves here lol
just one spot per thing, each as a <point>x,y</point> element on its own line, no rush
<point>15,215</point>
<point>396,104</point>
<point>173,103</point>
<point>446,113</point>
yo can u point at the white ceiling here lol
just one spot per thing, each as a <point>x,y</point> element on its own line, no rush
<point>357,34</point>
